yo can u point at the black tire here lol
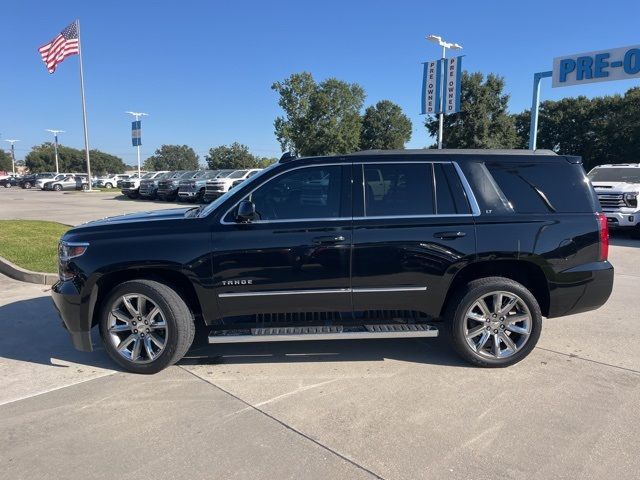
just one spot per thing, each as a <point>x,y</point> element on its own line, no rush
<point>57,188</point>
<point>27,185</point>
<point>108,186</point>
<point>7,185</point>
<point>455,317</point>
<point>635,232</point>
<point>180,321</point>
<point>200,196</point>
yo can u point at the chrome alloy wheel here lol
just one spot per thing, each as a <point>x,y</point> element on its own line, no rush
<point>497,325</point>
<point>137,328</point>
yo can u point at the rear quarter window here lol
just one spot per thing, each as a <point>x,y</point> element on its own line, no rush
<point>543,187</point>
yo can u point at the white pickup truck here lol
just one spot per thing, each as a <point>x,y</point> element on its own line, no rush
<point>618,188</point>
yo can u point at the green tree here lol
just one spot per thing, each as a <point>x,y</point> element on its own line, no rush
<point>385,127</point>
<point>483,121</point>
<point>5,161</point>
<point>320,118</point>
<point>172,157</point>
<point>41,158</point>
<point>600,130</point>
<point>235,156</point>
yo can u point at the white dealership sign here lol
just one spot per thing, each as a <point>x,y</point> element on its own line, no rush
<point>601,66</point>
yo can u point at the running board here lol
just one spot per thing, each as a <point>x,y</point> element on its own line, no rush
<point>287,334</point>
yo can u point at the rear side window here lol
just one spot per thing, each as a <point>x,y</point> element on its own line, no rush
<point>450,196</point>
<point>398,189</point>
<point>543,187</point>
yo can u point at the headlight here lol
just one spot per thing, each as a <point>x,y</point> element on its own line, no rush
<point>66,252</point>
<point>630,199</point>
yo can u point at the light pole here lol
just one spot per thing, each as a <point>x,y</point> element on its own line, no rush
<point>454,46</point>
<point>55,144</point>
<point>137,116</point>
<point>13,154</point>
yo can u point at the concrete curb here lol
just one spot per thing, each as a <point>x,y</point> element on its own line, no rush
<point>19,273</point>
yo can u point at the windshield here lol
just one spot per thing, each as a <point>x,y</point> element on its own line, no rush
<point>186,175</point>
<point>224,173</point>
<point>147,175</point>
<point>615,174</point>
<point>220,200</point>
<point>164,176</point>
<point>238,174</point>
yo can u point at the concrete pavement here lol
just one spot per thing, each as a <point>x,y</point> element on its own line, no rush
<point>393,409</point>
<point>71,208</point>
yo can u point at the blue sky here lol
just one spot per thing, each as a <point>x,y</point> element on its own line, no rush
<point>203,69</point>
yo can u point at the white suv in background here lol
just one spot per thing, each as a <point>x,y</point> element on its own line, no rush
<point>618,188</point>
<point>57,177</point>
<point>220,185</point>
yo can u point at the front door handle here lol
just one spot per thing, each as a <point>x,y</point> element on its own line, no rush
<point>449,235</point>
<point>328,240</point>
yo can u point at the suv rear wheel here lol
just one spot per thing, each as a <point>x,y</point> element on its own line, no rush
<point>494,322</point>
<point>145,326</point>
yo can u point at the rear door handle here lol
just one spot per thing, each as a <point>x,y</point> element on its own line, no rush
<point>328,240</point>
<point>449,235</point>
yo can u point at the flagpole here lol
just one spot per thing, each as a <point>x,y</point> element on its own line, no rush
<point>84,107</point>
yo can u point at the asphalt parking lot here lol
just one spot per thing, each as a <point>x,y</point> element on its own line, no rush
<point>392,409</point>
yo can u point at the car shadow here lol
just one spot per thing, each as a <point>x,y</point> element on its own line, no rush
<point>32,332</point>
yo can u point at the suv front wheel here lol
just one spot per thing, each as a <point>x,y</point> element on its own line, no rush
<point>145,326</point>
<point>494,322</point>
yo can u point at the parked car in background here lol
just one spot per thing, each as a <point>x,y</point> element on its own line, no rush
<point>29,181</point>
<point>148,189</point>
<point>45,179</point>
<point>130,187</point>
<point>168,187</point>
<point>220,185</point>
<point>122,178</point>
<point>69,182</point>
<point>193,190</point>
<point>8,181</point>
<point>110,181</point>
<point>618,189</point>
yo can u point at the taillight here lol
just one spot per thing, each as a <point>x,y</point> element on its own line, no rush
<point>603,230</point>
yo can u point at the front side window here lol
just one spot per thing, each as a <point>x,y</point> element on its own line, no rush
<point>305,193</point>
<point>398,189</point>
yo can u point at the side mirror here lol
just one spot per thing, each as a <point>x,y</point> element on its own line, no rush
<point>246,211</point>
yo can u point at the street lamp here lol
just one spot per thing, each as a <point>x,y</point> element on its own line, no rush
<point>453,46</point>
<point>13,154</point>
<point>55,144</point>
<point>137,116</point>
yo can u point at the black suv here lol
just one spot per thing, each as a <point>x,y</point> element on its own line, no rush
<point>478,244</point>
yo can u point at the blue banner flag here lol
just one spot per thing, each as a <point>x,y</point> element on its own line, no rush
<point>136,133</point>
<point>453,84</point>
<point>432,87</point>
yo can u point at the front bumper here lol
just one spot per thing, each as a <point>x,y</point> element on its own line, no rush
<point>622,220</point>
<point>76,313</point>
<point>580,289</point>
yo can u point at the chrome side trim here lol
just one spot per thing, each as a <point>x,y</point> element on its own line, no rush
<point>283,292</point>
<point>475,208</point>
<point>390,217</point>
<point>320,336</point>
<point>391,289</point>
<point>322,291</point>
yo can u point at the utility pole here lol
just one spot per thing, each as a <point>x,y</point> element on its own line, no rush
<point>454,46</point>
<point>55,144</point>
<point>13,154</point>
<point>138,141</point>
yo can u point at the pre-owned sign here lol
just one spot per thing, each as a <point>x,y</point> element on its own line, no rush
<point>601,66</point>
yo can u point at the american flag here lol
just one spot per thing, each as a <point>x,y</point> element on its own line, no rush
<point>64,45</point>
